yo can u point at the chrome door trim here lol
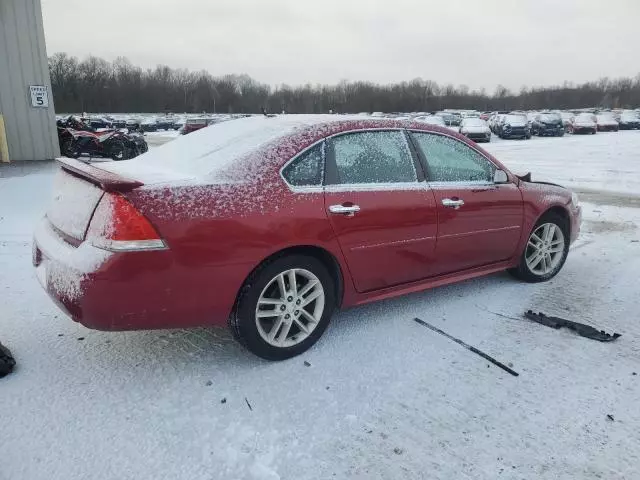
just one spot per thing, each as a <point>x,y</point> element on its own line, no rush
<point>388,244</point>
<point>475,232</point>
<point>374,187</point>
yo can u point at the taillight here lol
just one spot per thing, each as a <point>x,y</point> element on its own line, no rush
<point>117,225</point>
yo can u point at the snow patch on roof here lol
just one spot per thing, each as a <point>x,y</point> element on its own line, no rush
<point>206,153</point>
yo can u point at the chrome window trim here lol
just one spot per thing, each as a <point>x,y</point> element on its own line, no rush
<point>321,187</point>
<point>386,185</point>
<point>306,188</point>
<point>374,187</point>
<point>464,182</point>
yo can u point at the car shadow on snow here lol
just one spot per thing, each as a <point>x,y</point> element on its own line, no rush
<point>182,349</point>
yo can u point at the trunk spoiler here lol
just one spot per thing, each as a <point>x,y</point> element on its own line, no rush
<point>107,181</point>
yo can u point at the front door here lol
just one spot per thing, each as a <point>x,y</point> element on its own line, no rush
<point>385,219</point>
<point>479,221</point>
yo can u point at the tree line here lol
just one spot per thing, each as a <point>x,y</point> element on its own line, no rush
<point>96,85</point>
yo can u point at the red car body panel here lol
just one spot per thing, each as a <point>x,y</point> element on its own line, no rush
<point>485,230</point>
<point>217,234</point>
<point>391,240</point>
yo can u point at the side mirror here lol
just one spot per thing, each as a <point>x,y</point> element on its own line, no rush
<point>500,176</point>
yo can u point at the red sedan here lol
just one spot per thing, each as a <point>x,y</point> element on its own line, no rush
<point>270,224</point>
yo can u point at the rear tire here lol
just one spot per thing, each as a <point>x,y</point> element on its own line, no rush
<point>532,267</point>
<point>298,326</point>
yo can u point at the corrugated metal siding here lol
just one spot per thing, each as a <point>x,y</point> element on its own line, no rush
<point>31,132</point>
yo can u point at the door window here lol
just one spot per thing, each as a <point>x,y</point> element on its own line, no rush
<point>307,169</point>
<point>373,157</point>
<point>450,160</point>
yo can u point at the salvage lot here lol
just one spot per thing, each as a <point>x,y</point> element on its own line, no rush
<point>379,396</point>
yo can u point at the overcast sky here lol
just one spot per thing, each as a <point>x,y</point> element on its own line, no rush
<point>480,43</point>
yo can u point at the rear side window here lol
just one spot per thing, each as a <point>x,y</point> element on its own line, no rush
<point>307,169</point>
<point>450,160</point>
<point>373,157</point>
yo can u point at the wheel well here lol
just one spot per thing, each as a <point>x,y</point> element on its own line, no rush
<point>561,212</point>
<point>319,253</point>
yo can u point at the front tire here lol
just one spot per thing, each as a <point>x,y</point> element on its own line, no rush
<point>546,250</point>
<point>117,151</point>
<point>284,307</point>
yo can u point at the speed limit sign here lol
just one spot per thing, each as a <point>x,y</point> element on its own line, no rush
<point>39,96</point>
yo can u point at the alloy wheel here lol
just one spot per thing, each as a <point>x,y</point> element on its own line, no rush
<point>290,307</point>
<point>545,249</point>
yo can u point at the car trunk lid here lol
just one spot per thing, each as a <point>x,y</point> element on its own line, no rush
<point>77,190</point>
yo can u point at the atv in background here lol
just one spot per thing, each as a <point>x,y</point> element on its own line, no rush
<point>76,139</point>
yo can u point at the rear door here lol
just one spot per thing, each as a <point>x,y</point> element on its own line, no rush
<point>479,220</point>
<point>381,210</point>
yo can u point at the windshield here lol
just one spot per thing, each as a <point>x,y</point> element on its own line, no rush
<point>584,117</point>
<point>550,117</point>
<point>196,121</point>
<point>473,122</point>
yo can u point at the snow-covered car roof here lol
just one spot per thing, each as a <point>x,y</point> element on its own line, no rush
<point>207,155</point>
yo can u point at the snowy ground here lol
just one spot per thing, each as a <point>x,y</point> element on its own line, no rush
<point>383,397</point>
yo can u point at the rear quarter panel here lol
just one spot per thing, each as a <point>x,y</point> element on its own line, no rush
<point>218,234</point>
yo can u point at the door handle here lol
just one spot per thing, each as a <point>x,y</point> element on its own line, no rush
<point>349,210</point>
<point>453,203</point>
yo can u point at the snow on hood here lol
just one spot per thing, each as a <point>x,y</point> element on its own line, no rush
<point>606,120</point>
<point>203,154</point>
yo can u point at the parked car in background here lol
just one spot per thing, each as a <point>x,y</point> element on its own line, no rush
<point>583,123</point>
<point>178,123</point>
<point>476,129</point>
<point>606,122</point>
<point>547,124</point>
<point>514,126</point>
<point>494,121</point>
<point>456,119</point>
<point>99,122</point>
<point>133,125</point>
<point>566,120</point>
<point>193,124</point>
<point>164,123</point>
<point>448,118</point>
<point>149,125</point>
<point>629,120</point>
<point>119,123</point>
<point>431,120</point>
<point>281,238</point>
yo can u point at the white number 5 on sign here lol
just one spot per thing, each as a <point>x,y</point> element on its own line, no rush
<point>39,96</point>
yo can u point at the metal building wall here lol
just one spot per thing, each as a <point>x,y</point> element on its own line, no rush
<point>31,132</point>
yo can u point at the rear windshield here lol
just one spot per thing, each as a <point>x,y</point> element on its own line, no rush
<point>515,118</point>
<point>196,121</point>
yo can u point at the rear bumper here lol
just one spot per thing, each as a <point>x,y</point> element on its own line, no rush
<point>478,137</point>
<point>584,129</point>
<point>133,290</point>
<point>551,130</point>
